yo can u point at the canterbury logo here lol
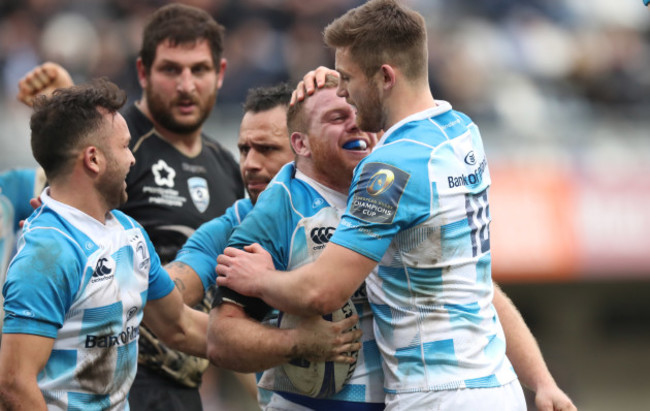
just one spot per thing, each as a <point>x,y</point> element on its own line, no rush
<point>101,269</point>
<point>322,235</point>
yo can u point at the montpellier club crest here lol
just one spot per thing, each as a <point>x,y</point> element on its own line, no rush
<point>199,193</point>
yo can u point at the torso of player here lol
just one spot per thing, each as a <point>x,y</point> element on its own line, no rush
<point>103,322</point>
<point>310,221</point>
<point>100,276</point>
<point>171,194</point>
<point>419,206</point>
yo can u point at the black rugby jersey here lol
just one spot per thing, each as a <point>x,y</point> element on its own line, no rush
<point>171,194</point>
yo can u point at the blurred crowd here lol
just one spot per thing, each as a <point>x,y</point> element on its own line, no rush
<point>514,62</point>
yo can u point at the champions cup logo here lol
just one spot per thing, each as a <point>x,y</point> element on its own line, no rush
<point>380,182</point>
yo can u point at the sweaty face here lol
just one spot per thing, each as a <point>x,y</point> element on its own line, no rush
<point>181,87</point>
<point>119,159</point>
<point>263,148</point>
<point>335,141</point>
<point>361,92</point>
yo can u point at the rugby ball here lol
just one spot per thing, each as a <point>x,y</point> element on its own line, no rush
<point>319,379</point>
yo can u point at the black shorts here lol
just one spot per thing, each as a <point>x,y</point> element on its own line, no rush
<point>154,392</point>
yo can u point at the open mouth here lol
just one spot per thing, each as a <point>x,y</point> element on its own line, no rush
<point>186,105</point>
<point>356,145</point>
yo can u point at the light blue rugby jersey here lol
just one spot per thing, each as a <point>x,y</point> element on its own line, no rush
<point>201,250</point>
<point>293,220</point>
<point>83,284</point>
<point>17,187</point>
<point>419,206</point>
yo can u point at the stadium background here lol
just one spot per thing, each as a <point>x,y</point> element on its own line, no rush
<point>560,90</point>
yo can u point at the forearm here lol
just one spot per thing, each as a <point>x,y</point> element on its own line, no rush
<point>187,282</point>
<point>190,336</point>
<point>295,292</point>
<point>245,345</point>
<point>521,347</point>
<point>320,287</point>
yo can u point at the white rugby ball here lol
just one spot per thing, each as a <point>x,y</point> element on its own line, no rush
<point>319,379</point>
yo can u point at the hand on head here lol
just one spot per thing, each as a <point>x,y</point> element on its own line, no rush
<point>311,81</point>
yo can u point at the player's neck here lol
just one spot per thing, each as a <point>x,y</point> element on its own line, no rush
<point>80,195</point>
<point>407,101</point>
<point>333,183</point>
<point>190,144</point>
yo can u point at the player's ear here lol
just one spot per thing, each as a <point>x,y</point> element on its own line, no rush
<point>142,73</point>
<point>300,144</point>
<point>221,70</point>
<point>92,159</point>
<point>387,76</point>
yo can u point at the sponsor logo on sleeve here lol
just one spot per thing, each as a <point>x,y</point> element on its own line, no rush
<point>378,193</point>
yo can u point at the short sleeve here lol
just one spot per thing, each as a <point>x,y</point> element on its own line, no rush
<point>42,282</point>
<point>389,193</point>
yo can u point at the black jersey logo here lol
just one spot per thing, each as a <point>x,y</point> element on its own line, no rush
<point>163,174</point>
<point>199,193</point>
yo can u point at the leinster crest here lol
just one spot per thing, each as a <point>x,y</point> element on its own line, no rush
<point>199,193</point>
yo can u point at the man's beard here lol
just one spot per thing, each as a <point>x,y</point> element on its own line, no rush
<point>370,115</point>
<point>111,186</point>
<point>162,113</point>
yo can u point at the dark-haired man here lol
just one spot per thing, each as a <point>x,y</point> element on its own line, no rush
<point>76,291</point>
<point>181,177</point>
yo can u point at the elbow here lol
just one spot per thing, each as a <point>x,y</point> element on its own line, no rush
<point>225,353</point>
<point>323,303</point>
<point>215,351</point>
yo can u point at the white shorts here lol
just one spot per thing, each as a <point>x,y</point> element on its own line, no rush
<point>509,397</point>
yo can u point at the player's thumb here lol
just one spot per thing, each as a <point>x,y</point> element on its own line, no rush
<point>254,248</point>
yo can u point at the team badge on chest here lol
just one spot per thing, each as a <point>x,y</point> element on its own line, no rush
<point>199,193</point>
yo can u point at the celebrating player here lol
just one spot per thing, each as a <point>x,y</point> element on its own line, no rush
<point>418,207</point>
<point>181,179</point>
<point>76,290</point>
<point>294,219</point>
